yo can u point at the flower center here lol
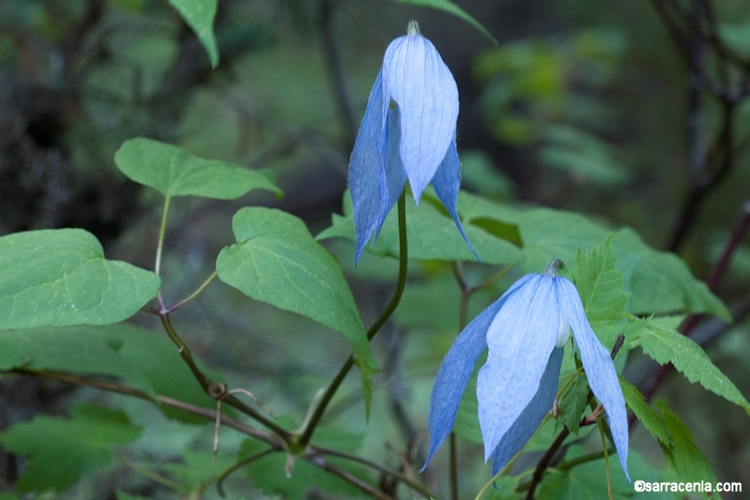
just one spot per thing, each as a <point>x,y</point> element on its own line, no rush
<point>563,334</point>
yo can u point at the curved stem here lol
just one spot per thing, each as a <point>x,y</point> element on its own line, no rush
<point>606,457</point>
<point>193,295</point>
<point>143,471</point>
<point>245,461</point>
<point>217,390</point>
<point>312,423</point>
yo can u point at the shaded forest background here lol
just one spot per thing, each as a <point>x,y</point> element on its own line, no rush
<point>636,114</point>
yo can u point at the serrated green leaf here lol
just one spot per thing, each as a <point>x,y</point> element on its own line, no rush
<point>199,15</point>
<point>683,456</point>
<point>599,283</point>
<point>174,172</point>
<point>60,277</point>
<point>450,7</point>
<point>60,451</point>
<point>651,419</point>
<point>431,235</point>
<point>572,402</point>
<point>277,261</point>
<point>675,439</point>
<point>662,343</point>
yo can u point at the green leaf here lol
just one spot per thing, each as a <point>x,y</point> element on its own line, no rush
<point>662,343</point>
<point>676,441</point>
<point>60,451</point>
<point>277,261</point>
<point>60,277</point>
<point>660,282</point>
<point>431,234</point>
<point>588,480</point>
<point>199,15</point>
<point>651,419</point>
<point>454,9</point>
<point>572,402</point>
<point>551,234</point>
<point>599,283</point>
<point>174,172</point>
<point>683,456</point>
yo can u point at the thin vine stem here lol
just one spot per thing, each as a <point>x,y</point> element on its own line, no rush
<point>274,441</point>
<point>193,295</point>
<point>375,466</point>
<point>162,235</point>
<point>245,461</point>
<point>600,426</point>
<point>314,420</point>
<point>145,472</point>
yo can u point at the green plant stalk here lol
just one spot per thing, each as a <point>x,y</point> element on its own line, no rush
<point>245,461</point>
<point>162,235</point>
<point>157,478</point>
<point>589,457</point>
<point>304,437</point>
<point>217,390</point>
<point>193,295</point>
<point>606,457</point>
<point>375,466</point>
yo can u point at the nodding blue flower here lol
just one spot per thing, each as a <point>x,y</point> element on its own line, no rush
<point>525,332</point>
<point>408,132</point>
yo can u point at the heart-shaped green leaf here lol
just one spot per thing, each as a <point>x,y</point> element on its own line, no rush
<point>59,277</point>
<point>175,172</point>
<point>277,261</point>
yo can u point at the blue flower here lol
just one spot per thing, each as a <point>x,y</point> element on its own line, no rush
<point>408,132</point>
<point>525,332</point>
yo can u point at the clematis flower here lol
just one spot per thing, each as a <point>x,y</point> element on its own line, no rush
<point>408,132</point>
<point>525,332</point>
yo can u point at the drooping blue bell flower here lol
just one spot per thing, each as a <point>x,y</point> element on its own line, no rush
<point>525,332</point>
<point>408,132</point>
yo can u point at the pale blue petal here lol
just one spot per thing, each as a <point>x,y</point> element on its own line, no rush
<point>365,167</point>
<point>528,422</point>
<point>447,181</point>
<point>415,76</point>
<point>597,362</point>
<point>457,368</point>
<point>520,341</point>
<point>392,176</point>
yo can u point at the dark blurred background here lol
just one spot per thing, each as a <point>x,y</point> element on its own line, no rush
<point>634,113</point>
